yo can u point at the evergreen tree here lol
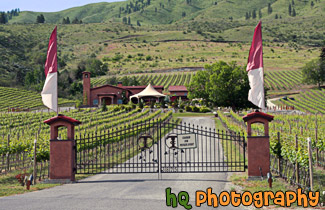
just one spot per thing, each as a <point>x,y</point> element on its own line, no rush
<point>40,18</point>
<point>64,21</point>
<point>293,2</point>
<point>289,9</point>
<point>276,16</point>
<point>138,23</point>
<point>260,14</point>
<point>183,14</point>
<point>3,19</point>
<point>125,20</point>
<point>68,20</point>
<point>293,12</point>
<point>246,16</point>
<point>269,8</point>
<point>312,4</point>
<point>129,21</point>
<point>254,14</point>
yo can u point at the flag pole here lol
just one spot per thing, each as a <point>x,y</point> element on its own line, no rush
<point>57,66</point>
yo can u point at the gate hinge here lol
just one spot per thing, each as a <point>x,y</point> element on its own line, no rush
<point>246,167</point>
<point>245,144</point>
<point>74,169</point>
<point>74,147</point>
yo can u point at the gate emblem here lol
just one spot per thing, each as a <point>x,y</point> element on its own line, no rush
<point>145,138</point>
<point>171,141</point>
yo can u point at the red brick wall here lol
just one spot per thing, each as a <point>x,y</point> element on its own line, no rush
<point>178,93</point>
<point>86,86</point>
<point>106,90</point>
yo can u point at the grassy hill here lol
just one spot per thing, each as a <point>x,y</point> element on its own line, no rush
<point>173,34</point>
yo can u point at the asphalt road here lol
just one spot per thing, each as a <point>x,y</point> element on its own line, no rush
<point>123,191</point>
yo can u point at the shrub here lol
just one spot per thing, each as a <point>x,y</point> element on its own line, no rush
<point>195,109</point>
<point>181,110</point>
<point>204,109</point>
<point>188,109</point>
<point>140,104</point>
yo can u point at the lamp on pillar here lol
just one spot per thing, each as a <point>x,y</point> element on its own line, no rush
<point>258,147</point>
<point>62,152</point>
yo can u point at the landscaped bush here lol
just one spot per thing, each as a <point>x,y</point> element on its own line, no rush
<point>204,109</point>
<point>188,109</point>
<point>195,109</point>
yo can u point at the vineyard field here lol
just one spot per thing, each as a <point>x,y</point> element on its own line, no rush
<point>23,99</point>
<point>274,80</point>
<point>311,101</point>
<point>18,130</point>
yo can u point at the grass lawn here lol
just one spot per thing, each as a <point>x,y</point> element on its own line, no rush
<point>9,185</point>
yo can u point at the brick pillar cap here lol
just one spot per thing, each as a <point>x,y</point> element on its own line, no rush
<point>61,117</point>
<point>86,72</point>
<point>257,114</point>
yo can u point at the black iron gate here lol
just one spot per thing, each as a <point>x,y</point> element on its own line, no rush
<point>160,147</point>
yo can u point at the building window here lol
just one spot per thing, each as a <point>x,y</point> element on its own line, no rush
<point>86,75</point>
<point>95,101</point>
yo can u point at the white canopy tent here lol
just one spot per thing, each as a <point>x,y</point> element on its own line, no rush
<point>149,91</point>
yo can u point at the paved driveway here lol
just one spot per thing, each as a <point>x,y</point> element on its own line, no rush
<point>122,191</point>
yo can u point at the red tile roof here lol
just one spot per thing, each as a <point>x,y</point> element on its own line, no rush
<point>258,114</point>
<point>140,87</point>
<point>64,118</point>
<point>177,88</point>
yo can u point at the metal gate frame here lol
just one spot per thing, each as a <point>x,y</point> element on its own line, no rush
<point>141,148</point>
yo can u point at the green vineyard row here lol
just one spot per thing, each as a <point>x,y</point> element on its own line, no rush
<point>274,80</point>
<point>23,99</point>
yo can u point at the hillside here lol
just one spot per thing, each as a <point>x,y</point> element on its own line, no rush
<point>161,35</point>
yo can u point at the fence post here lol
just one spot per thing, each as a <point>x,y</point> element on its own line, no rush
<point>297,164</point>
<point>279,158</point>
<point>35,162</point>
<point>8,153</point>
<point>310,163</point>
<point>316,140</point>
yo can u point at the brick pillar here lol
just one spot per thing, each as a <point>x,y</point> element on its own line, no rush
<point>86,87</point>
<point>258,147</point>
<point>62,152</point>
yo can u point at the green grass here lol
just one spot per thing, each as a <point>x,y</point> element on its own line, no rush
<point>10,186</point>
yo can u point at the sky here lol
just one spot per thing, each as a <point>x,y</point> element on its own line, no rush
<point>45,5</point>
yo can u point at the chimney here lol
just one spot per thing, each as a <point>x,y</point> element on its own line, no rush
<point>86,88</point>
<point>119,84</point>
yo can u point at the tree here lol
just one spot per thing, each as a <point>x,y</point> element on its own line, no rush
<point>67,20</point>
<point>290,9</point>
<point>269,8</point>
<point>276,16</point>
<point>260,14</point>
<point>313,72</point>
<point>293,12</point>
<point>312,4</point>
<point>3,18</point>
<point>138,23</point>
<point>254,14</point>
<point>129,20</point>
<point>40,19</point>
<point>221,84</point>
<point>247,16</point>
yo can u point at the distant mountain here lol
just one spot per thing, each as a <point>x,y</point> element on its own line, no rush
<point>156,12</point>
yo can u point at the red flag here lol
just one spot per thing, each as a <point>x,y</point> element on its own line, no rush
<point>255,69</point>
<point>51,60</point>
<point>50,89</point>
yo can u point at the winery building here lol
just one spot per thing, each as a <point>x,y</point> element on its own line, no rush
<point>109,93</point>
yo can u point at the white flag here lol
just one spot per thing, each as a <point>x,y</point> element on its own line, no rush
<point>50,89</point>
